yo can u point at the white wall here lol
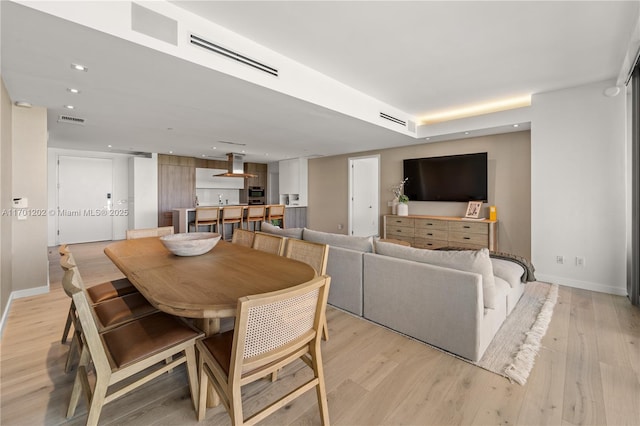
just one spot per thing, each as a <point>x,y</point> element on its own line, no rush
<point>30,263</point>
<point>120,189</point>
<point>143,192</point>
<point>578,146</point>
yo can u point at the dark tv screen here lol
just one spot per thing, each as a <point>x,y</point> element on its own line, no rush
<point>449,178</point>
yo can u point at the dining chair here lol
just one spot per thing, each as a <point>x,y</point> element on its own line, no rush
<point>108,314</point>
<point>256,215</point>
<point>206,216</point>
<point>269,243</point>
<point>231,215</point>
<point>133,234</point>
<point>276,214</point>
<point>272,331</point>
<point>97,293</point>
<point>314,255</point>
<point>137,348</point>
<point>243,237</point>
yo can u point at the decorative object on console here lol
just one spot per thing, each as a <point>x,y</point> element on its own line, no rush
<point>473,210</point>
<point>403,206</point>
<point>493,213</point>
<point>397,190</point>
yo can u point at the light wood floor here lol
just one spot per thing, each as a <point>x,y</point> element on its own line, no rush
<point>587,373</point>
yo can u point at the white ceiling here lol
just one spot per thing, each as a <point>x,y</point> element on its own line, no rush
<point>420,57</point>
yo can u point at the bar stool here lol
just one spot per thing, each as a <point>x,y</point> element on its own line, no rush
<point>206,216</point>
<point>276,212</point>
<point>231,215</point>
<point>255,214</point>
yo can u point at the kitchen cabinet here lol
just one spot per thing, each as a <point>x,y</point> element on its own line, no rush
<point>295,217</point>
<point>293,181</point>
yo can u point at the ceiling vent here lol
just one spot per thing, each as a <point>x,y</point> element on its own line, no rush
<point>394,119</point>
<point>212,47</point>
<point>70,120</point>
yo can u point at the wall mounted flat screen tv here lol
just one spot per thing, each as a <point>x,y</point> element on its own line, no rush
<point>449,178</point>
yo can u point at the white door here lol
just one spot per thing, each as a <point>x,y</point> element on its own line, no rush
<point>85,190</point>
<point>364,193</point>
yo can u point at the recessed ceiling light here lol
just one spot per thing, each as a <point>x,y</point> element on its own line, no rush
<point>79,67</point>
<point>466,133</point>
<point>69,106</point>
<point>214,147</point>
<point>243,151</point>
<point>108,146</point>
<point>170,152</point>
<point>203,155</point>
<point>516,125</point>
<point>428,139</point>
<point>72,90</point>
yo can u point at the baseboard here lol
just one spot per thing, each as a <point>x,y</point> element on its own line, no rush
<point>585,285</point>
<point>19,294</point>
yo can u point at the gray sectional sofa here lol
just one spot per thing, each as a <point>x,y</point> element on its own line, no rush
<point>454,300</point>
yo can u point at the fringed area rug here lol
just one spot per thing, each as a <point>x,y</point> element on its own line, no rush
<point>513,350</point>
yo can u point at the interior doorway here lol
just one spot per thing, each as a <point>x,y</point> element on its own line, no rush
<point>85,202</point>
<point>364,196</point>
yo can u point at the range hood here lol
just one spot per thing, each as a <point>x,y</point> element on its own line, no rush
<point>235,167</point>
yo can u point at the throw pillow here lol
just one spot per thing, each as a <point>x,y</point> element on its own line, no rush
<point>276,230</point>
<point>364,244</point>
<point>477,261</point>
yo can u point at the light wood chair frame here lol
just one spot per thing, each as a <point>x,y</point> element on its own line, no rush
<point>244,370</point>
<point>269,243</point>
<point>313,254</point>
<point>254,217</point>
<point>133,234</point>
<point>276,212</point>
<point>107,373</point>
<point>67,262</point>
<point>243,237</point>
<point>235,218</point>
<point>205,217</point>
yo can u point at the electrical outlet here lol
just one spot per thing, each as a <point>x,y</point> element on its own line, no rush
<point>579,261</point>
<point>560,260</point>
<point>340,226</point>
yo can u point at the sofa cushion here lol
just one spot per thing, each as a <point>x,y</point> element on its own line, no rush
<point>511,272</point>
<point>363,244</point>
<point>477,261</point>
<point>287,232</point>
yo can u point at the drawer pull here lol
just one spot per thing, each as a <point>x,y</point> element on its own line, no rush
<point>429,234</point>
<point>467,238</point>
<point>466,227</point>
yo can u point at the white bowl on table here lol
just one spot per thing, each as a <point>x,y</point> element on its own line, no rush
<point>191,243</point>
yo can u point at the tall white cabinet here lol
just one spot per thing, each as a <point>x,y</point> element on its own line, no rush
<point>293,183</point>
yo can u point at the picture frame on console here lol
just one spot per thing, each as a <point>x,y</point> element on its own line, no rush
<point>473,209</point>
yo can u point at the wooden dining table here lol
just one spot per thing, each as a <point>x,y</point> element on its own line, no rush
<point>205,287</point>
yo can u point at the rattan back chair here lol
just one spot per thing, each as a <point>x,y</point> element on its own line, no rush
<point>207,216</point>
<point>136,348</point>
<point>269,243</point>
<point>314,255</point>
<point>232,215</point>
<point>272,330</point>
<point>133,234</point>
<point>256,215</point>
<point>276,214</point>
<point>243,237</point>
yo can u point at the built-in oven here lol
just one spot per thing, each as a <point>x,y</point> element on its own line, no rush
<point>256,192</point>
